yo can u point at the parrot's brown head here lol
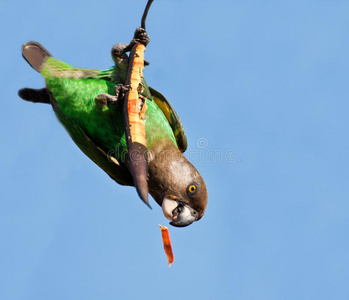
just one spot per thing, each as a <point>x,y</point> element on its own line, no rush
<point>176,185</point>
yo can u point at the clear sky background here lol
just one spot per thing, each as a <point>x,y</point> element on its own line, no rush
<point>262,90</point>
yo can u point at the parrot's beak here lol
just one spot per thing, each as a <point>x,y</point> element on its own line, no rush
<point>179,213</point>
<point>168,206</point>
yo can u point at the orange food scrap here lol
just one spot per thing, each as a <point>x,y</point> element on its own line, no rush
<point>167,244</point>
<point>137,124</point>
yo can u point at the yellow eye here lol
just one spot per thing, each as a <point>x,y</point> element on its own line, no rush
<point>192,189</point>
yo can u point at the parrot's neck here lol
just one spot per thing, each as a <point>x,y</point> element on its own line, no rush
<point>163,158</point>
<point>162,151</point>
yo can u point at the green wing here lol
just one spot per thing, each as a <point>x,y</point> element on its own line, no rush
<point>116,170</point>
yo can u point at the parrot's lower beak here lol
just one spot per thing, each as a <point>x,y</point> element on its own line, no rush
<point>179,213</point>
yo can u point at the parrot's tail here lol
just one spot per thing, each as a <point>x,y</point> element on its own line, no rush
<point>35,54</point>
<point>36,96</point>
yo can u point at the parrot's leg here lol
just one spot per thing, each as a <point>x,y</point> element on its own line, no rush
<point>121,90</point>
<point>121,60</point>
<point>33,95</point>
<point>102,100</point>
<point>140,36</point>
<point>119,50</point>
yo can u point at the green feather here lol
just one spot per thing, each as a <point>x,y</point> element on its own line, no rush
<point>75,90</point>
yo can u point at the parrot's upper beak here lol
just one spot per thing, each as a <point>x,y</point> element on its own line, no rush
<point>179,213</point>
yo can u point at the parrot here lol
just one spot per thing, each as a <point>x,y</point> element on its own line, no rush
<point>85,101</point>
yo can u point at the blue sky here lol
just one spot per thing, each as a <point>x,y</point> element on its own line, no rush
<point>262,90</point>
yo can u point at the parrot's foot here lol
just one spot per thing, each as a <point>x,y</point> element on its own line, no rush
<point>140,36</point>
<point>121,90</point>
<point>118,52</point>
<point>102,100</point>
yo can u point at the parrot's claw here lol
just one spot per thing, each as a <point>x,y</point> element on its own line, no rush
<point>121,90</point>
<point>118,52</point>
<point>102,100</point>
<point>140,36</point>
